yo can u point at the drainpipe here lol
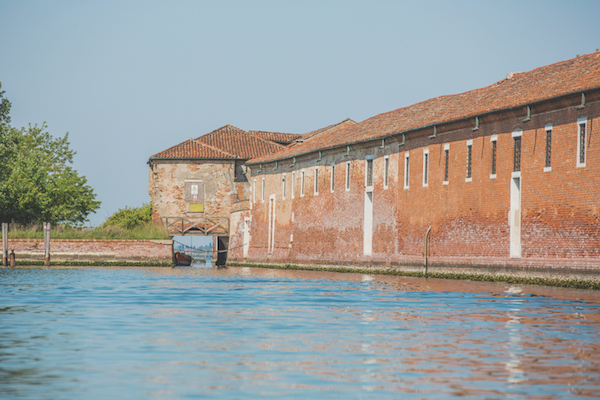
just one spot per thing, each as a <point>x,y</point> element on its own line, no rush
<point>426,249</point>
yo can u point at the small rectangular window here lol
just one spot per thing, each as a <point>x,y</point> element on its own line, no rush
<point>347,175</point>
<point>446,162</point>
<point>332,187</point>
<point>293,184</point>
<point>406,169</point>
<point>469,177</point>
<point>581,141</point>
<point>283,186</point>
<point>494,157</point>
<point>493,139</point>
<point>302,184</point>
<point>317,180</point>
<point>369,172</point>
<point>263,190</point>
<point>386,171</point>
<point>517,154</point>
<point>425,167</point>
<point>548,148</point>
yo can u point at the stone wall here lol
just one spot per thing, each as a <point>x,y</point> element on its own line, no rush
<point>167,187</point>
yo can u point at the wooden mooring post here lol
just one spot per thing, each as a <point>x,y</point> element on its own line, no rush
<point>5,244</point>
<point>47,244</point>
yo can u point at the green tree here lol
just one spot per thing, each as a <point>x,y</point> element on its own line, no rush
<point>37,182</point>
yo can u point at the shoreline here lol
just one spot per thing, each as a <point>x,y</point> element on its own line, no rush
<point>576,279</point>
<point>83,263</point>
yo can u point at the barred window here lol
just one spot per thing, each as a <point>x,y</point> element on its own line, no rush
<point>447,151</point>
<point>548,147</point>
<point>581,141</point>
<point>494,157</point>
<point>517,155</point>
<point>369,178</point>
<point>386,171</point>
<point>469,159</point>
<point>332,178</point>
<point>317,180</point>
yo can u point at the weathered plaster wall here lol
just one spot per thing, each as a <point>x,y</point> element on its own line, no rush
<point>560,209</point>
<point>167,187</point>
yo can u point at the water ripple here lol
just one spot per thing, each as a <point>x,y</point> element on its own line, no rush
<point>160,333</point>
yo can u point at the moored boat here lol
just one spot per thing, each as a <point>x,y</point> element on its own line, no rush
<point>182,259</point>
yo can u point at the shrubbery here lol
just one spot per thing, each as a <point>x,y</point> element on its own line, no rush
<point>130,218</point>
<point>126,223</point>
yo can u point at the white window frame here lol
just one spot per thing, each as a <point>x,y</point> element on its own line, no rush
<point>283,183</point>
<point>494,138</point>
<point>316,181</point>
<point>263,190</point>
<point>254,191</point>
<point>367,159</point>
<point>332,183</point>
<point>518,133</point>
<point>582,121</point>
<point>425,167</point>
<point>406,170</point>
<point>347,183</point>
<point>302,177</point>
<point>547,128</point>
<point>293,183</point>
<point>446,160</point>
<point>469,144</point>
<point>386,172</point>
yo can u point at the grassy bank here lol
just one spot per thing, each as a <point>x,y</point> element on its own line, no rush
<point>510,279</point>
<point>146,231</point>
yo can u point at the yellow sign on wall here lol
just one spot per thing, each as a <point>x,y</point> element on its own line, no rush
<point>196,207</point>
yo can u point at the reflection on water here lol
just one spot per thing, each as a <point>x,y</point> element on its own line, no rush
<point>161,333</point>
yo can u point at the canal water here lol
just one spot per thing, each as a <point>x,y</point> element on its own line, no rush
<point>240,333</point>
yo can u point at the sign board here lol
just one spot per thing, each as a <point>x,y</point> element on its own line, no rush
<point>194,207</point>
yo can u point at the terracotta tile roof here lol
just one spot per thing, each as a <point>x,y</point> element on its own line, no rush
<point>330,128</point>
<point>240,143</point>
<point>227,142</point>
<point>277,137</point>
<point>192,149</point>
<point>518,89</point>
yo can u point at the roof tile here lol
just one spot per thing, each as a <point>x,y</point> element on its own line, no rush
<point>518,89</point>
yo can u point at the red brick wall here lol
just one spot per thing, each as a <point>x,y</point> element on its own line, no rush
<point>134,250</point>
<point>560,214</point>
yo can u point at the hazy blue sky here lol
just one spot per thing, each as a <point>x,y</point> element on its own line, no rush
<point>128,79</point>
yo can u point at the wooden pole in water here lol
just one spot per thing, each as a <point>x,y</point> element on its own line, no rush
<point>5,244</point>
<point>47,244</point>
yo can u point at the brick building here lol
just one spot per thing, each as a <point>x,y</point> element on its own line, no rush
<point>196,185</point>
<point>505,175</point>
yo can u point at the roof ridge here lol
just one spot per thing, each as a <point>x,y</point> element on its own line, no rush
<point>278,133</point>
<point>265,140</point>
<point>197,140</point>
<point>223,127</point>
